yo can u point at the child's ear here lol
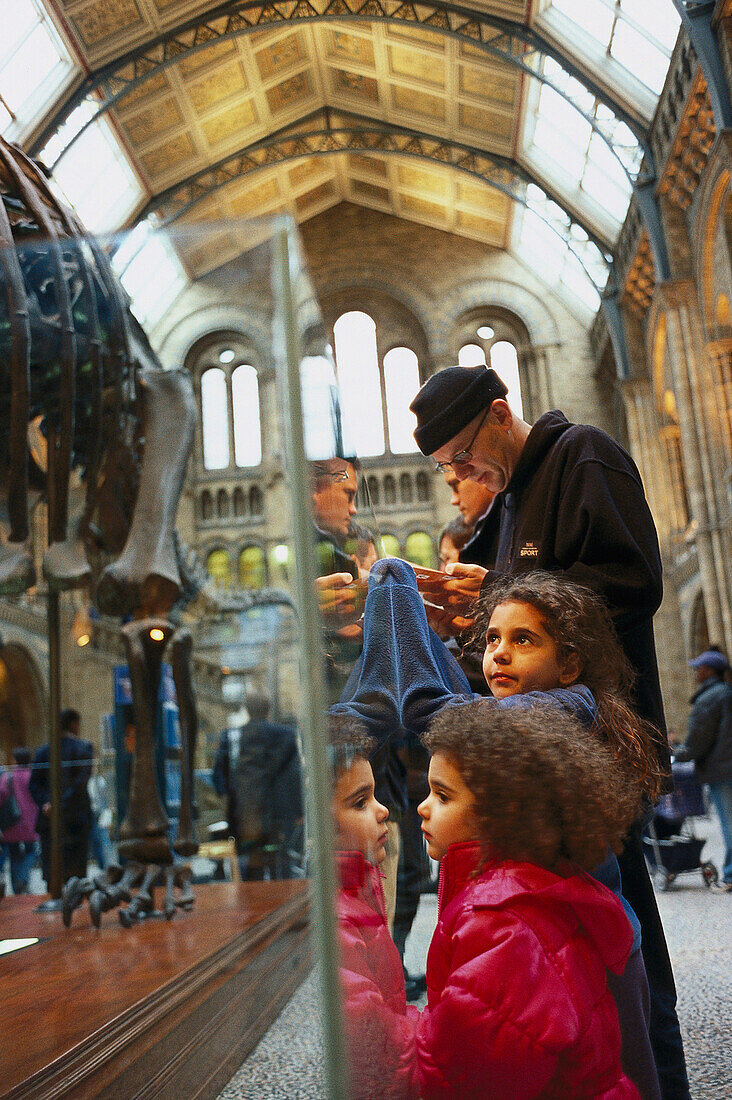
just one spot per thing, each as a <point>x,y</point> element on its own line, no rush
<point>571,670</point>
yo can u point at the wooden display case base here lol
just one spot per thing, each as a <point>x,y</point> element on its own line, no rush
<point>166,1010</point>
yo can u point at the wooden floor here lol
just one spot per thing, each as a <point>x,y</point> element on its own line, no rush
<point>164,1009</point>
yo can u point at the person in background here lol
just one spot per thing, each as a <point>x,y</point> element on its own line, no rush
<point>19,842</point>
<point>99,840</point>
<point>266,784</point>
<point>452,540</point>
<point>470,498</point>
<point>361,545</point>
<point>76,764</point>
<point>709,743</point>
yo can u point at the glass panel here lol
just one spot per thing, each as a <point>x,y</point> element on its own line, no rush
<point>401,381</point>
<point>266,577</point>
<point>33,65</point>
<point>247,430</point>
<point>215,419</point>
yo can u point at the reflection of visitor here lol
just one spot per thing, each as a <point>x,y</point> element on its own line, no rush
<point>99,841</point>
<point>225,763</point>
<point>76,761</point>
<point>20,840</point>
<point>266,790</point>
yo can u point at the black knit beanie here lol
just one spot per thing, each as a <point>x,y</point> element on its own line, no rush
<point>449,400</point>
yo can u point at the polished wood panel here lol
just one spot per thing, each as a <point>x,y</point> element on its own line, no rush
<point>164,1009</point>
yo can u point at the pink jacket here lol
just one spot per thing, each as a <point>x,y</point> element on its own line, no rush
<point>379,1024</point>
<point>518,1005</point>
<point>24,830</point>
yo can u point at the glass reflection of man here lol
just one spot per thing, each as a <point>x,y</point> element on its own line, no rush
<point>334,497</point>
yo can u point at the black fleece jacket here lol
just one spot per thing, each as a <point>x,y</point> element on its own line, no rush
<point>575,504</point>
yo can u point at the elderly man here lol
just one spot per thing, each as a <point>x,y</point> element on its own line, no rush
<point>568,499</point>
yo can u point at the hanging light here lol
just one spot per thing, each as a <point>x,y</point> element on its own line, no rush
<point>157,634</point>
<point>82,629</point>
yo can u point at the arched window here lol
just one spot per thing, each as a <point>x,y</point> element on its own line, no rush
<point>471,355</point>
<point>215,419</point>
<point>256,501</point>
<point>218,567</point>
<point>401,382</point>
<point>252,567</point>
<point>367,389</point>
<point>206,505</point>
<point>374,490</point>
<point>247,429</point>
<point>405,488</point>
<point>389,546</point>
<point>389,490</point>
<point>420,549</point>
<point>504,361</point>
<point>222,504</point>
<point>423,486</point>
<point>240,503</point>
<point>358,376</point>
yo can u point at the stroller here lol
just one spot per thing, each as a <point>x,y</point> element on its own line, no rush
<point>671,845</point>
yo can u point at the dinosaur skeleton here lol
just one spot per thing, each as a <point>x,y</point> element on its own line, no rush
<point>91,422</point>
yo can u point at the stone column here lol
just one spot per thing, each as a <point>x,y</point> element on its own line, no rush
<point>686,361</point>
<point>642,434</point>
<point>535,376</point>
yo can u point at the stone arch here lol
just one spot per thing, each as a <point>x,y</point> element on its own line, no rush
<point>714,231</point>
<point>23,701</point>
<point>699,639</point>
<point>497,294</point>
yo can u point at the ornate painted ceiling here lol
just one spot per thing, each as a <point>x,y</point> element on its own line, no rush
<point>347,75</point>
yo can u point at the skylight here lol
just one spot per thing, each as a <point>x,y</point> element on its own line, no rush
<point>637,34</point>
<point>590,165</point>
<point>559,250</point>
<point>94,175</point>
<point>150,271</point>
<point>34,66</point>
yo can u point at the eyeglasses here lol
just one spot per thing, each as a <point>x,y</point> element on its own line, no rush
<point>462,458</point>
<point>335,475</point>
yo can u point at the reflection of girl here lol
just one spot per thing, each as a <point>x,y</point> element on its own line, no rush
<point>20,840</point>
<point>99,841</point>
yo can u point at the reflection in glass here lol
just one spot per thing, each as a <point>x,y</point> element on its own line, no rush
<point>219,568</point>
<point>252,567</point>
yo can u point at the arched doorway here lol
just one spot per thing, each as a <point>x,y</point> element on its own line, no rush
<point>23,710</point>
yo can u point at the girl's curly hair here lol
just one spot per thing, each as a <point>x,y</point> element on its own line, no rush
<point>544,786</point>
<point>579,623</point>
<point>348,741</point>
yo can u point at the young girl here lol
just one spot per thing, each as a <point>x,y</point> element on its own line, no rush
<point>379,1025</point>
<point>547,640</point>
<point>518,1005</point>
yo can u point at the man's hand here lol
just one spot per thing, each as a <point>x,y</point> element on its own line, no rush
<point>466,579</point>
<point>340,599</point>
<point>446,608</point>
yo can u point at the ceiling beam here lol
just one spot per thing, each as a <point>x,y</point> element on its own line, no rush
<point>325,133</point>
<point>503,39</point>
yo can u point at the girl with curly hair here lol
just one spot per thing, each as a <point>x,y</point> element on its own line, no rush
<point>518,1006</point>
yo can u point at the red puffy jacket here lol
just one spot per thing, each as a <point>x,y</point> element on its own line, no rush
<point>379,1025</point>
<point>517,1000</point>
